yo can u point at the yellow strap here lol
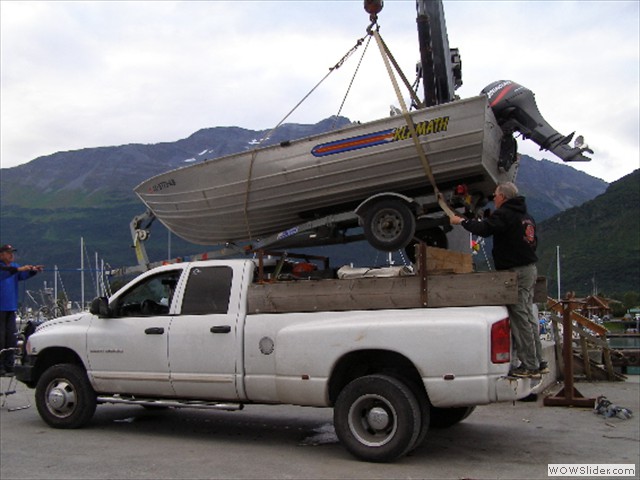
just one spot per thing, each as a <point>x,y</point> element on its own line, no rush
<point>412,129</point>
<point>414,97</point>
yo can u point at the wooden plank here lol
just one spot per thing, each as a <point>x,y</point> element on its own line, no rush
<point>591,338</point>
<point>448,290</point>
<point>575,316</point>
<point>540,290</point>
<point>585,357</point>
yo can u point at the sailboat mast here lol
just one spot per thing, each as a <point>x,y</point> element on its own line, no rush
<point>558,268</point>
<point>82,272</point>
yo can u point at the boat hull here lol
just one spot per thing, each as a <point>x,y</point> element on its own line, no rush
<point>260,192</point>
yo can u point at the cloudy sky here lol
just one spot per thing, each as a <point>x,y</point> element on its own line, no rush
<point>79,74</point>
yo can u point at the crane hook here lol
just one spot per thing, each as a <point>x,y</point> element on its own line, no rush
<point>373,8</point>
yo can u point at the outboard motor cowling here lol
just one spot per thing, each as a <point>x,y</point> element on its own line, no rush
<point>515,108</point>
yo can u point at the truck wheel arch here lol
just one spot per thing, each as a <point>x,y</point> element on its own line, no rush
<point>368,362</point>
<point>53,356</point>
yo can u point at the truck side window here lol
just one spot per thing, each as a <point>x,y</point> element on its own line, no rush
<point>152,297</point>
<point>208,290</point>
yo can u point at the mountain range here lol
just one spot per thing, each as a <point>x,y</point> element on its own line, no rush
<point>51,202</point>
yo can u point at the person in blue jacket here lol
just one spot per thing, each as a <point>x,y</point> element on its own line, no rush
<point>10,274</point>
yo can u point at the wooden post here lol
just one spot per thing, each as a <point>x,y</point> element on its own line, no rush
<point>586,362</point>
<point>606,353</point>
<point>568,396</point>
<point>558,348</point>
<point>422,271</point>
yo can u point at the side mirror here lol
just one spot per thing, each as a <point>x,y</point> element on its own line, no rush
<point>100,307</point>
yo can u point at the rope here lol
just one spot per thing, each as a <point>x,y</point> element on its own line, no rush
<point>412,129</point>
<point>338,64</point>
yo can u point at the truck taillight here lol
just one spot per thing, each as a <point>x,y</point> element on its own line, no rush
<point>501,342</point>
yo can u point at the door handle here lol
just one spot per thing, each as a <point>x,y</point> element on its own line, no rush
<point>154,331</point>
<point>220,329</point>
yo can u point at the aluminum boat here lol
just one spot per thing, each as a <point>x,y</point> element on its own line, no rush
<point>262,191</point>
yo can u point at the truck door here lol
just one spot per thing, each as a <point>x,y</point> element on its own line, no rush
<point>203,337</point>
<point>128,352</point>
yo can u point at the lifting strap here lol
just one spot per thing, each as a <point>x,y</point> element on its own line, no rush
<point>386,55</point>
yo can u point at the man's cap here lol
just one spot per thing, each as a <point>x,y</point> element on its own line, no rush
<point>7,248</point>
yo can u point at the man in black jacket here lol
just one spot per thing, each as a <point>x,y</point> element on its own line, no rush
<point>514,246</point>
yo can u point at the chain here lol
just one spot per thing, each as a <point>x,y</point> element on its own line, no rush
<point>484,252</point>
<point>348,54</point>
<point>352,78</point>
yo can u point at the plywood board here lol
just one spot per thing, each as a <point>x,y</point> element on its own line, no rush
<point>443,259</point>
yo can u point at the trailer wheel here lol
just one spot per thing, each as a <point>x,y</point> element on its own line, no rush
<point>448,417</point>
<point>433,237</point>
<point>389,225</point>
<point>377,418</point>
<point>64,397</point>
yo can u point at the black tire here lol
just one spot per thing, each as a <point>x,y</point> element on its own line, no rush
<point>389,225</point>
<point>425,414</point>
<point>64,397</point>
<point>448,417</point>
<point>377,418</point>
<point>433,237</point>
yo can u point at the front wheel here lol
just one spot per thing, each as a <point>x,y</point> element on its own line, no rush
<point>64,397</point>
<point>377,418</point>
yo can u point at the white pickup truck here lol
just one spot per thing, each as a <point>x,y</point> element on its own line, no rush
<point>206,335</point>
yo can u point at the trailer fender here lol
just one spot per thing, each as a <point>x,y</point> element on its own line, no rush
<point>364,206</point>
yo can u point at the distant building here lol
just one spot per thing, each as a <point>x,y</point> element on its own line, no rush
<point>595,306</point>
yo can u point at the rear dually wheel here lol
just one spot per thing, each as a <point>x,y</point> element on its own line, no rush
<point>377,418</point>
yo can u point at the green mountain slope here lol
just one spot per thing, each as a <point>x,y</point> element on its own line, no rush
<point>599,242</point>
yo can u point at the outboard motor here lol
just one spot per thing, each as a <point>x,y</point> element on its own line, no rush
<point>515,109</point>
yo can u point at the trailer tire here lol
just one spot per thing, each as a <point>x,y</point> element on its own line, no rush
<point>64,397</point>
<point>432,237</point>
<point>377,418</point>
<point>389,225</point>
